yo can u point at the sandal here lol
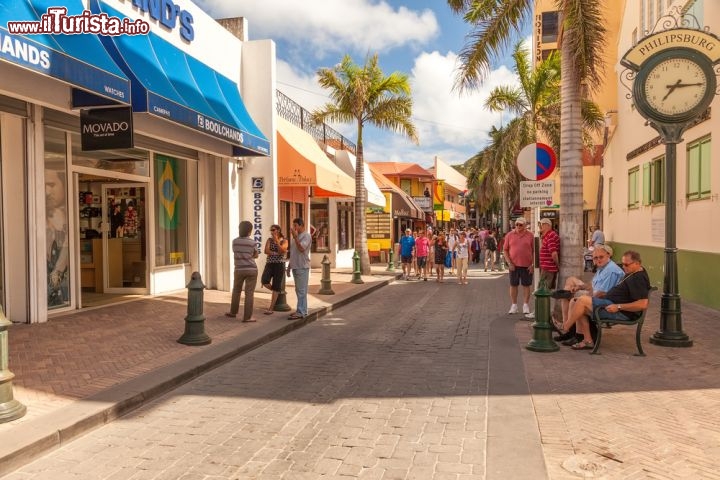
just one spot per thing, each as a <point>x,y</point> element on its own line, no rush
<point>583,346</point>
<point>249,320</point>
<point>295,316</point>
<point>268,312</point>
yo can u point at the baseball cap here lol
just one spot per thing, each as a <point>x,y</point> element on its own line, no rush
<point>546,221</point>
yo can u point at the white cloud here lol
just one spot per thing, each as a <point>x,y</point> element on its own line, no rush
<point>330,25</point>
<point>443,115</point>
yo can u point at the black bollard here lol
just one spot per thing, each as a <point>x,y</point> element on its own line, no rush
<point>10,408</point>
<point>325,281</point>
<point>542,330</point>
<point>195,320</point>
<point>281,304</point>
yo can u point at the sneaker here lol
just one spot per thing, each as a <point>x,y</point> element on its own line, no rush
<point>513,308</point>
<point>563,336</point>
<point>526,308</point>
<point>530,315</point>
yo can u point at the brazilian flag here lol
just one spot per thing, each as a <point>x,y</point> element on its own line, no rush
<point>168,191</point>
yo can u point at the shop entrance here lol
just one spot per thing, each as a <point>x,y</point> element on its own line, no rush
<point>113,239</point>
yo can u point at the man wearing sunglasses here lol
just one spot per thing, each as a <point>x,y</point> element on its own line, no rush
<point>625,301</point>
<point>519,254</point>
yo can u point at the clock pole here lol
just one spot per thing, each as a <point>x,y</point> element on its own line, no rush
<point>671,332</point>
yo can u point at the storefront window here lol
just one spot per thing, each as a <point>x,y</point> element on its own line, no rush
<point>130,160</point>
<point>346,228</point>
<point>56,220</point>
<point>171,232</point>
<point>320,221</point>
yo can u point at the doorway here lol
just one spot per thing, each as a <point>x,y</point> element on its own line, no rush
<point>113,239</point>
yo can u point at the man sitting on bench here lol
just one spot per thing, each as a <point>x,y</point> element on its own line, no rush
<point>607,275</point>
<point>625,301</point>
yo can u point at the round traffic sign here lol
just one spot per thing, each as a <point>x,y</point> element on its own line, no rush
<point>536,161</point>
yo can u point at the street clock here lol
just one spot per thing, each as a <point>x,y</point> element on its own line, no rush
<point>674,86</point>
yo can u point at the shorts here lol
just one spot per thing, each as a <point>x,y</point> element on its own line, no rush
<point>406,258</point>
<point>273,274</point>
<point>421,261</point>
<point>550,279</point>
<point>604,302</point>
<point>521,275</point>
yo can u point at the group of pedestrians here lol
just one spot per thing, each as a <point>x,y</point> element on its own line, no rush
<point>276,248</point>
<point>423,250</point>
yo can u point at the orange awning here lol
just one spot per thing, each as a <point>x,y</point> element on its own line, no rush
<point>302,163</point>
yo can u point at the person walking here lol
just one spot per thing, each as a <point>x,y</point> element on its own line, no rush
<point>441,249</point>
<point>422,248</point>
<point>246,272</point>
<point>491,247</point>
<point>462,251</point>
<point>452,239</point>
<point>519,253</point>
<point>300,265</point>
<point>407,247</point>
<point>276,248</point>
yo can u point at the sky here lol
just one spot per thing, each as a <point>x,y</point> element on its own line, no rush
<point>420,38</point>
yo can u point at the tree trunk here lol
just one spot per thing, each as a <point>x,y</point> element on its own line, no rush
<point>572,236</point>
<point>360,202</point>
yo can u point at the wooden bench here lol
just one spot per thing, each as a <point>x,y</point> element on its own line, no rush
<point>600,322</point>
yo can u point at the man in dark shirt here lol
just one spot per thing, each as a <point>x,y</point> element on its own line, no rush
<point>625,301</point>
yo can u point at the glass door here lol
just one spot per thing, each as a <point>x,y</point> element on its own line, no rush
<point>125,244</point>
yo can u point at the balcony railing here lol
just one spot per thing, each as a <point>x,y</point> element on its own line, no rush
<point>297,115</point>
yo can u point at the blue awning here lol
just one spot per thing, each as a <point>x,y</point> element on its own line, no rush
<point>168,83</point>
<point>78,60</point>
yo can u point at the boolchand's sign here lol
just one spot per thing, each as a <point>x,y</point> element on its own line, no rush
<point>698,40</point>
<point>106,128</point>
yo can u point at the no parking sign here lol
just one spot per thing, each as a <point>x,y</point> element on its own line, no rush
<point>536,161</point>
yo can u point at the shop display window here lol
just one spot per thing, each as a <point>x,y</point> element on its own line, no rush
<point>346,226</point>
<point>171,227</point>
<point>56,220</point>
<point>129,160</point>
<point>320,221</point>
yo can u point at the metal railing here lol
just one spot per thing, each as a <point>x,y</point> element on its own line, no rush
<point>298,116</point>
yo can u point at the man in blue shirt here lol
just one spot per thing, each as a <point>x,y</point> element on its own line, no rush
<point>608,275</point>
<point>407,244</point>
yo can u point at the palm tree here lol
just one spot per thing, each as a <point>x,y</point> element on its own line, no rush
<point>364,95</point>
<point>581,44</point>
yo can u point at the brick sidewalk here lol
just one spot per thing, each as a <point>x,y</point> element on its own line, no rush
<point>618,416</point>
<point>81,354</point>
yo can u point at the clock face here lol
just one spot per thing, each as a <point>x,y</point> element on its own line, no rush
<point>675,86</point>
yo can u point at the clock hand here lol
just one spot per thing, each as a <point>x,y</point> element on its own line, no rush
<point>671,88</point>
<point>680,85</point>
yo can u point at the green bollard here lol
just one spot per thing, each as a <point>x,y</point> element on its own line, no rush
<point>542,330</point>
<point>356,278</point>
<point>325,281</point>
<point>281,304</point>
<point>10,409</point>
<point>391,264</point>
<point>195,320</point>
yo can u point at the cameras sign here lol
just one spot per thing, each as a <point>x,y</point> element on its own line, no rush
<point>536,161</point>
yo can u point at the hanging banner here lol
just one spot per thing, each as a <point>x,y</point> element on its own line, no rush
<point>168,192</point>
<point>439,195</point>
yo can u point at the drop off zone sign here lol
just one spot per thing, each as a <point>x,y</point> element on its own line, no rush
<point>537,194</point>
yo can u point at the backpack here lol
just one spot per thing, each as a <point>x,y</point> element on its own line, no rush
<point>491,244</point>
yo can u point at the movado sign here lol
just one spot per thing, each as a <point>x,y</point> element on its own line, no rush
<point>106,128</point>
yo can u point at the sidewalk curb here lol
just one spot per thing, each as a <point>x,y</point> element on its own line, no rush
<point>48,432</point>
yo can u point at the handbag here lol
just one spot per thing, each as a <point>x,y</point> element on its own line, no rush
<point>448,259</point>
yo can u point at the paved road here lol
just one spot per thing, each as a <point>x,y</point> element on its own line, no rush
<point>394,386</point>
